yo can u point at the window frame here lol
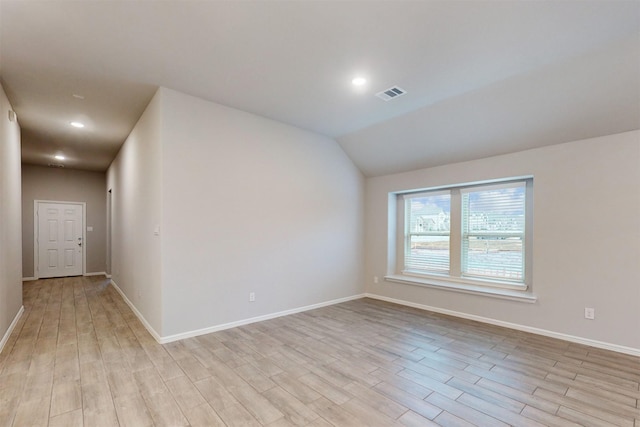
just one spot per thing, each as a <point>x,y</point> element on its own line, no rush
<point>408,233</point>
<point>455,277</point>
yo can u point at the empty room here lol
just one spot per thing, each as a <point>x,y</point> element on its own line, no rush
<point>319,213</point>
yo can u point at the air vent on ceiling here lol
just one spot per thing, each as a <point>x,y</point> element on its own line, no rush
<point>391,93</point>
<point>55,165</point>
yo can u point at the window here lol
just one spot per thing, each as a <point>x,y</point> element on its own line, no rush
<point>427,241</point>
<point>478,234</point>
<point>493,225</point>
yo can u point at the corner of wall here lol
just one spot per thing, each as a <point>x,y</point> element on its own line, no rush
<point>11,213</point>
<point>135,179</point>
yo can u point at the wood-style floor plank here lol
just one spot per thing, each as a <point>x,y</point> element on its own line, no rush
<point>79,357</point>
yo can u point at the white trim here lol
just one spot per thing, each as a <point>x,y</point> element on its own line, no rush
<point>400,231</point>
<point>463,281</point>
<point>84,238</point>
<point>484,182</point>
<point>465,288</point>
<point>544,332</point>
<point>96,273</point>
<point>565,337</point>
<point>11,328</point>
<point>216,328</point>
<point>36,248</point>
<point>243,322</point>
<point>139,315</point>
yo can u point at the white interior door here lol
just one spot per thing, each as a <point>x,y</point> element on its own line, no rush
<point>59,239</point>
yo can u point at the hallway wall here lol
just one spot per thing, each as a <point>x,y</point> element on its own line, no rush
<point>10,239</point>
<point>65,185</point>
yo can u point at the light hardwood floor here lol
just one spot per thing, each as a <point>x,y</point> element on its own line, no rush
<point>79,356</point>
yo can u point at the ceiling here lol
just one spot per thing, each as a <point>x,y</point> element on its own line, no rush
<point>482,78</point>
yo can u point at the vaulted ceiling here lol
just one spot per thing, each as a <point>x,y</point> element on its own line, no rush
<point>482,78</point>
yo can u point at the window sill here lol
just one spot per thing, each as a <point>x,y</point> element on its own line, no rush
<point>510,294</point>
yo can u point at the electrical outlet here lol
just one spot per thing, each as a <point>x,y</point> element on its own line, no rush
<point>375,279</point>
<point>589,313</point>
<point>252,296</point>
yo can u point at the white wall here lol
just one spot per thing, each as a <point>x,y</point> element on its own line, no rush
<point>244,204</point>
<point>586,245</point>
<point>135,178</point>
<point>44,183</point>
<point>10,220</point>
<point>253,205</point>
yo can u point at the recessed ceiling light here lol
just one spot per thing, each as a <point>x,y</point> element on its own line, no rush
<point>359,81</point>
<point>77,125</point>
<point>59,157</point>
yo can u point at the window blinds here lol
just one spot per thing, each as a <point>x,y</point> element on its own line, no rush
<point>493,231</point>
<point>427,226</point>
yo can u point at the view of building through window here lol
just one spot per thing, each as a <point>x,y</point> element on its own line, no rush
<point>493,223</point>
<point>491,229</point>
<point>429,219</point>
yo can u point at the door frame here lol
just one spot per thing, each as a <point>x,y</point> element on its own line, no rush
<point>36,265</point>
<point>109,259</point>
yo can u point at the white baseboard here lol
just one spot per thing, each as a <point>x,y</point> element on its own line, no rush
<point>565,337</point>
<point>11,328</point>
<point>537,331</point>
<point>243,322</point>
<point>198,332</point>
<point>139,315</point>
<point>96,273</point>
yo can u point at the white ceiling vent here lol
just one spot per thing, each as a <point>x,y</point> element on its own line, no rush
<point>391,93</point>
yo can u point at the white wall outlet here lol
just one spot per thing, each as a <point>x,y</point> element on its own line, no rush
<point>252,296</point>
<point>375,279</point>
<point>589,313</point>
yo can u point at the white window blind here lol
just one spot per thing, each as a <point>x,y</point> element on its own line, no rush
<point>476,234</point>
<point>493,232</point>
<point>427,227</point>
